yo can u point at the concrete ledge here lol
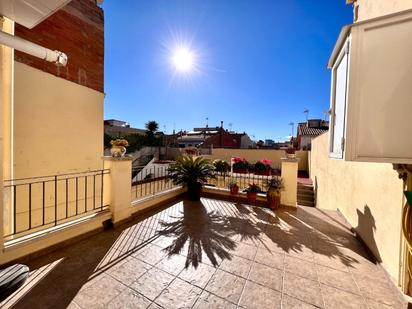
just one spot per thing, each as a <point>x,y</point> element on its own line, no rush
<point>125,158</point>
<point>51,239</point>
<point>217,193</point>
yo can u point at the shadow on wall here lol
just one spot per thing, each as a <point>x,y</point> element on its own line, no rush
<point>366,229</point>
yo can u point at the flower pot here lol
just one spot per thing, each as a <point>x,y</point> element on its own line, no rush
<point>273,199</point>
<point>194,191</point>
<point>240,171</point>
<point>291,155</point>
<point>118,151</point>
<point>263,173</point>
<point>234,190</point>
<point>251,197</point>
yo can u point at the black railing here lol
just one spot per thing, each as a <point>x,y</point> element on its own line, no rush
<point>153,181</point>
<point>243,180</point>
<point>40,202</point>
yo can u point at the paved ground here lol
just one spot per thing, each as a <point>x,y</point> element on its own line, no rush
<point>213,254</point>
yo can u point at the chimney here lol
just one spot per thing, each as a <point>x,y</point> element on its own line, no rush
<point>221,124</point>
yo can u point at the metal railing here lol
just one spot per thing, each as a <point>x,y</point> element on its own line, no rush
<point>36,203</point>
<point>222,180</point>
<point>154,181</point>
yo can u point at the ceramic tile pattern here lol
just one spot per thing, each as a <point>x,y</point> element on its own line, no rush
<point>212,254</point>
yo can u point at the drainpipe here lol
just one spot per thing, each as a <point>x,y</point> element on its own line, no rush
<point>33,49</point>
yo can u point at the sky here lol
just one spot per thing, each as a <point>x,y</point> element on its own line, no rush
<point>257,65</point>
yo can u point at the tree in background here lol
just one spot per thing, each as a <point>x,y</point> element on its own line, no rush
<point>152,127</point>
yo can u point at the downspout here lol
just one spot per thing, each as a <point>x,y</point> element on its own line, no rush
<point>55,56</point>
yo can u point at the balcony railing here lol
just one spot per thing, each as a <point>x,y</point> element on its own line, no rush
<point>154,181</point>
<point>37,203</point>
<point>222,180</point>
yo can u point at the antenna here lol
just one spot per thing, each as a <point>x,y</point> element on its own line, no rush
<point>306,112</point>
<point>207,122</point>
<point>230,127</point>
<point>293,127</point>
<point>326,114</point>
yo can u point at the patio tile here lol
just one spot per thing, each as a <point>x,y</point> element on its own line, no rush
<point>304,289</point>
<point>150,254</point>
<point>302,252</point>
<point>267,276</point>
<point>199,276</point>
<point>208,300</point>
<point>270,258</point>
<point>289,302</point>
<point>226,285</point>
<point>152,283</point>
<point>332,260</point>
<point>277,254</point>
<point>100,293</point>
<point>179,294</point>
<point>257,296</point>
<point>379,291</point>
<point>172,264</point>
<point>300,268</point>
<point>245,251</point>
<point>237,266</point>
<point>129,299</point>
<point>335,298</point>
<point>154,306</point>
<point>337,279</point>
<point>128,270</point>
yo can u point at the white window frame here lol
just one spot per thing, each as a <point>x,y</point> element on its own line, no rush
<point>344,52</point>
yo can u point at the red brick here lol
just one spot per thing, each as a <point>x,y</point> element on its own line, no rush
<point>77,30</point>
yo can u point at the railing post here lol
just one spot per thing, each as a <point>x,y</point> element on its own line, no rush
<point>289,175</point>
<point>118,187</point>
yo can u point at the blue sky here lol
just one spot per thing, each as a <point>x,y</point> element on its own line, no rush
<point>258,64</point>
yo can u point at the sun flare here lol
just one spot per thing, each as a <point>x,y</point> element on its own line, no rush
<point>183,60</point>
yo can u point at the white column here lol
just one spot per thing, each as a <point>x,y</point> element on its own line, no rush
<point>118,188</point>
<point>290,179</point>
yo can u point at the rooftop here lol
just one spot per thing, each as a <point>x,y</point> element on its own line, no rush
<point>213,253</point>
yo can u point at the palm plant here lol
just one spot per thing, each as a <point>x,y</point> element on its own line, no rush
<point>192,173</point>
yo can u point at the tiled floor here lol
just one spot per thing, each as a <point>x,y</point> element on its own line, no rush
<point>213,254</point>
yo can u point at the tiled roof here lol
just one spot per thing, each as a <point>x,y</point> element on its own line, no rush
<point>304,130</point>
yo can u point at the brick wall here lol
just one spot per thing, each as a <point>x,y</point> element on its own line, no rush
<point>77,30</point>
<point>223,139</point>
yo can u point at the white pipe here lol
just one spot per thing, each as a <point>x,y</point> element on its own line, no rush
<point>33,49</point>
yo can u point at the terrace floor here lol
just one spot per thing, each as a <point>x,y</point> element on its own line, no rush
<point>213,254</point>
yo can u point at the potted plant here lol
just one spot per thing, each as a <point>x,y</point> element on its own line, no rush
<point>262,167</point>
<point>191,173</point>
<point>118,147</point>
<point>234,188</point>
<point>251,192</point>
<point>221,166</point>
<point>240,165</point>
<point>290,153</point>
<point>274,188</point>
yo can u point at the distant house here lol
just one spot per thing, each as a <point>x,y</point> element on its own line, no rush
<point>118,128</point>
<point>216,137</point>
<point>309,130</point>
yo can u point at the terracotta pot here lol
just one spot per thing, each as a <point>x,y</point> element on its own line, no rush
<point>194,191</point>
<point>251,197</point>
<point>240,171</point>
<point>234,190</point>
<point>263,173</point>
<point>273,200</point>
<point>118,151</point>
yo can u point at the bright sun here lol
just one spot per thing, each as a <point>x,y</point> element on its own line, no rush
<point>183,59</point>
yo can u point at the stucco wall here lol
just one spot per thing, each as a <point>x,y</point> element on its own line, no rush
<point>254,155</point>
<point>58,125</point>
<point>369,195</point>
<point>375,8</point>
